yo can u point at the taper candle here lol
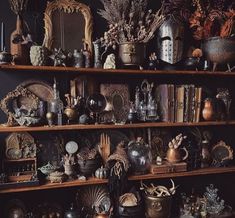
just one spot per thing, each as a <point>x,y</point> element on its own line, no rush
<point>2,37</point>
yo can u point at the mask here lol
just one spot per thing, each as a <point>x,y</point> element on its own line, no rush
<point>170,40</point>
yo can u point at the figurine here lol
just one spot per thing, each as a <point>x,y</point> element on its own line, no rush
<point>110,62</point>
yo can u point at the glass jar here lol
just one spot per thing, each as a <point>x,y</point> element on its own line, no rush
<point>140,157</point>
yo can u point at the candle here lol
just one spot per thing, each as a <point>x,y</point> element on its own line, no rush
<point>2,37</point>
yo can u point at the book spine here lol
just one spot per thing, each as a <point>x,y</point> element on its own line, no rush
<point>171,103</point>
<point>163,101</point>
<point>186,103</point>
<point>198,98</point>
<point>191,102</point>
<point>179,109</point>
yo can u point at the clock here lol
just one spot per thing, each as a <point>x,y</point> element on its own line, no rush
<point>71,147</point>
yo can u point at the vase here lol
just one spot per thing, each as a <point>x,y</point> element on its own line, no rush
<point>208,112</point>
<point>97,54</point>
<point>132,53</point>
<point>38,55</point>
<point>19,51</point>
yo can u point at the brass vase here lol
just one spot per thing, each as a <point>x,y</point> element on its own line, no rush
<point>208,112</point>
<point>18,50</point>
<point>132,53</point>
<point>158,207</point>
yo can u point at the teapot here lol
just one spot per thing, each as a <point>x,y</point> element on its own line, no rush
<point>173,154</point>
<point>47,169</point>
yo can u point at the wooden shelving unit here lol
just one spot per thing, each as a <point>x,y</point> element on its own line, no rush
<point>93,71</point>
<point>111,126</point>
<point>94,181</point>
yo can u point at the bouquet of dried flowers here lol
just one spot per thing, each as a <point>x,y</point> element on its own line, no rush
<point>129,21</point>
<point>211,19</point>
<point>18,6</point>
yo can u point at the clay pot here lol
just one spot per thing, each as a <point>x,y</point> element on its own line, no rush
<point>208,112</point>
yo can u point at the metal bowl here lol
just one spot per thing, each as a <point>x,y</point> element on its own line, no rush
<point>219,50</point>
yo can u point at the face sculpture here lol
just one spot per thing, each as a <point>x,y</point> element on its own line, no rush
<point>170,40</point>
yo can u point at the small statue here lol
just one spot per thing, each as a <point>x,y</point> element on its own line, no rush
<point>110,62</point>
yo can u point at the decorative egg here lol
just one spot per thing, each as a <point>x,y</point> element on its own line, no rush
<point>101,173</point>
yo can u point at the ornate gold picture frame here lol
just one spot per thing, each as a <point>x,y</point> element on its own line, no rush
<point>68,7</point>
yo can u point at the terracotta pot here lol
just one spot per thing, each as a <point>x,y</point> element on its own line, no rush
<point>19,51</point>
<point>208,112</point>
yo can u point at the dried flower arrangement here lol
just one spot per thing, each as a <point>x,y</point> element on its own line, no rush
<point>212,19</point>
<point>18,6</point>
<point>129,21</point>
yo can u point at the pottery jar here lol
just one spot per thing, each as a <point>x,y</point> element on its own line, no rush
<point>208,112</point>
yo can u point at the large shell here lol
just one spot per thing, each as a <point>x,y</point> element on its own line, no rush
<point>96,196</point>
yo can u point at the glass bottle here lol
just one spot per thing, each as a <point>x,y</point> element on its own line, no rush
<point>56,105</point>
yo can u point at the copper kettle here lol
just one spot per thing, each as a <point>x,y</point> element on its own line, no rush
<point>173,154</point>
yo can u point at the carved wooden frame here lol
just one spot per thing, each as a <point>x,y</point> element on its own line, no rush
<point>5,103</point>
<point>68,6</point>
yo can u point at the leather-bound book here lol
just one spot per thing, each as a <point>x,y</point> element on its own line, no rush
<point>165,95</point>
<point>198,98</point>
<point>179,104</point>
<point>162,99</point>
<point>186,103</point>
<point>171,102</point>
<point>191,102</point>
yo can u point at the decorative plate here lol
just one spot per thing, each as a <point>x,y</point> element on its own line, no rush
<point>71,147</point>
<point>221,153</point>
<point>39,88</point>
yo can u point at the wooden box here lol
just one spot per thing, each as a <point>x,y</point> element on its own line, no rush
<point>168,168</point>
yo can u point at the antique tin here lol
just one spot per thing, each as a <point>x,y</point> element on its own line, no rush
<point>132,53</point>
<point>158,207</point>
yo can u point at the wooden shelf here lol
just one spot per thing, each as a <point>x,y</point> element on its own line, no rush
<point>90,71</point>
<point>110,126</point>
<point>94,181</point>
<point>20,160</point>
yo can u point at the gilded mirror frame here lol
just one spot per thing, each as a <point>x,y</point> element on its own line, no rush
<point>68,6</point>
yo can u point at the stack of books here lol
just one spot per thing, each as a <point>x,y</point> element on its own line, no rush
<point>179,103</point>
